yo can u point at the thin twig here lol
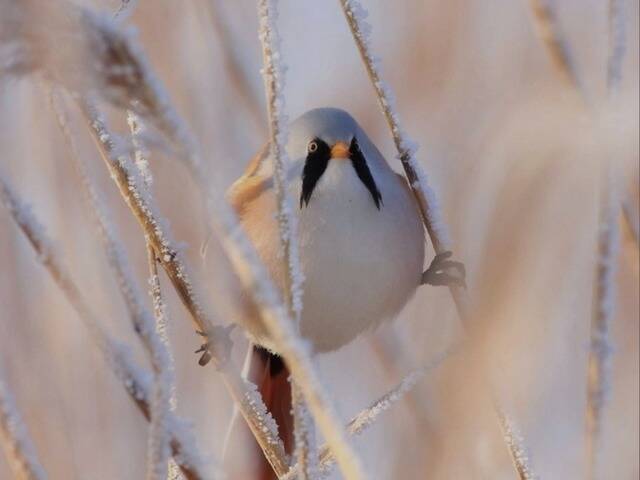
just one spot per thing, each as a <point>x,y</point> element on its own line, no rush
<point>141,317</point>
<point>15,440</point>
<point>513,438</point>
<point>256,281</point>
<point>598,369</point>
<point>157,234</point>
<point>617,45</point>
<point>546,24</point>
<point>273,74</point>
<point>134,379</point>
<point>355,15</point>
<point>369,415</point>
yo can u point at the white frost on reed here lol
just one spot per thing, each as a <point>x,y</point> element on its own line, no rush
<point>546,23</point>
<point>140,152</point>
<point>519,454</point>
<point>273,71</point>
<point>283,330</point>
<point>617,44</point>
<point>14,438</point>
<point>356,16</point>
<point>136,380</point>
<point>600,349</point>
<point>157,232</point>
<point>371,414</point>
<point>125,9</point>
<point>143,320</point>
<point>427,200</point>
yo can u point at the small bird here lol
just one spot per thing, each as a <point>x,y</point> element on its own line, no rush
<point>360,240</point>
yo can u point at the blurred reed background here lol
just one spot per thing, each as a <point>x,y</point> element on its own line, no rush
<point>515,154</point>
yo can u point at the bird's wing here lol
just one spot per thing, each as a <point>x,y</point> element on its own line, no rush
<point>256,161</point>
<point>251,184</point>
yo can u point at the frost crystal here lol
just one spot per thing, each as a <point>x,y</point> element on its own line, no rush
<point>514,441</point>
<point>273,73</point>
<point>361,30</point>
<point>15,439</point>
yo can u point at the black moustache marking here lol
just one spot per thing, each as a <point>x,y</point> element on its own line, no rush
<point>314,167</point>
<point>364,174</point>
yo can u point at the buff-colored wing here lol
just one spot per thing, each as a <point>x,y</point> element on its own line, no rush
<point>251,184</point>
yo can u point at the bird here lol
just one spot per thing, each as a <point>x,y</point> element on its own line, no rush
<point>361,245</point>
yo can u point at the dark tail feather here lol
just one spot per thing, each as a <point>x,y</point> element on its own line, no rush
<point>269,372</point>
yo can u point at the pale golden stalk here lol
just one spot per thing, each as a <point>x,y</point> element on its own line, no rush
<point>424,196</point>
<point>273,74</point>
<point>519,455</point>
<point>367,417</point>
<point>129,374</point>
<point>14,438</point>
<point>140,203</point>
<point>141,318</point>
<point>546,24</point>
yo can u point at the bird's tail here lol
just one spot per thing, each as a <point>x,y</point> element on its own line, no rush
<point>243,456</point>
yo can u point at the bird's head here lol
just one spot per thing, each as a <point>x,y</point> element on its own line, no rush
<point>326,138</point>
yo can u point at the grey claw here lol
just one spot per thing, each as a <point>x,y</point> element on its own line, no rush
<point>438,272</point>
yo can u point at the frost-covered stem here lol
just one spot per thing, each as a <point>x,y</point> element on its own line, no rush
<point>238,79</point>
<point>164,391</point>
<point>617,45</point>
<point>306,451</point>
<point>134,379</point>
<point>283,331</point>
<point>141,317</point>
<point>273,74</point>
<point>545,22</point>
<point>14,438</point>
<point>598,373</point>
<point>417,177</point>
<point>139,200</point>
<point>160,312</point>
<point>125,8</point>
<point>355,15</point>
<point>156,232</point>
<point>369,415</point>
<point>632,216</point>
<point>514,441</point>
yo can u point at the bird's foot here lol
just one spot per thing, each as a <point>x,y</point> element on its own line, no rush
<point>218,345</point>
<point>443,271</point>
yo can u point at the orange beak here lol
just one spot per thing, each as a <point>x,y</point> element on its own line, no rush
<point>340,150</point>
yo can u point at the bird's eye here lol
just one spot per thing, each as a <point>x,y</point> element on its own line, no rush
<point>312,147</point>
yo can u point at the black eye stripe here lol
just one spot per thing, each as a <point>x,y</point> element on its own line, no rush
<point>364,174</point>
<point>314,166</point>
<point>317,161</point>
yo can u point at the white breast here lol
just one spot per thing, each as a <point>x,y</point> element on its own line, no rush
<point>361,264</point>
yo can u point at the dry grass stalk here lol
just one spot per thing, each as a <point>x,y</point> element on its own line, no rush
<point>142,319</point>
<point>282,329</point>
<point>133,85</point>
<point>427,202</point>
<point>546,25</point>
<point>15,440</point>
<point>617,45</point>
<point>133,378</point>
<point>273,74</point>
<point>141,204</point>
<point>100,58</point>
<point>425,197</point>
<point>603,307</point>
<point>519,455</point>
<point>369,415</point>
